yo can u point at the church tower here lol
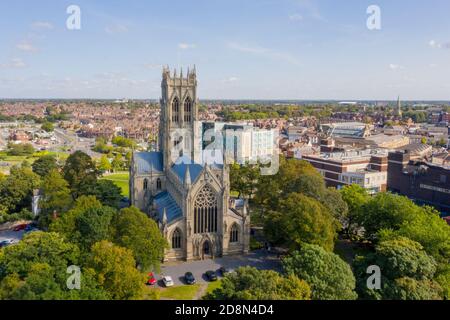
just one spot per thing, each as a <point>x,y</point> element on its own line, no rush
<point>398,110</point>
<point>179,116</point>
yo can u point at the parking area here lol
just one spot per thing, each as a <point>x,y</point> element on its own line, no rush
<point>260,259</point>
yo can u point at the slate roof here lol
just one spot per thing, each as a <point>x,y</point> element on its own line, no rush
<point>165,200</point>
<point>185,163</point>
<point>148,161</point>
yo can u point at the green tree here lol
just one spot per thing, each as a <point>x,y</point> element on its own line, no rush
<point>407,271</point>
<point>16,190</point>
<point>248,283</point>
<point>104,165</point>
<point>386,211</point>
<point>137,232</point>
<point>117,163</point>
<point>108,193</point>
<point>81,174</point>
<point>356,197</point>
<point>93,225</point>
<point>44,165</point>
<point>48,127</point>
<point>55,196</point>
<point>36,269</point>
<point>300,220</point>
<point>116,271</point>
<point>329,276</point>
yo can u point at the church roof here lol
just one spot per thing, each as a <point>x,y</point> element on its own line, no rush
<point>148,161</point>
<point>163,201</point>
<point>185,163</point>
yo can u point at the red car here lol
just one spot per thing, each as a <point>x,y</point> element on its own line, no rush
<point>151,279</point>
<point>20,227</point>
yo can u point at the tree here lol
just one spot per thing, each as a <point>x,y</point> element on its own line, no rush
<point>104,164</point>
<point>300,220</point>
<point>243,179</point>
<point>117,163</point>
<point>47,126</point>
<point>137,232</point>
<point>248,283</point>
<point>386,211</point>
<point>108,193</point>
<point>427,228</point>
<point>116,272</point>
<point>328,275</point>
<point>36,269</point>
<point>93,225</point>
<point>81,174</point>
<point>66,222</point>
<point>16,190</point>
<point>21,149</point>
<point>55,196</point>
<point>356,197</point>
<point>44,165</point>
<point>407,271</point>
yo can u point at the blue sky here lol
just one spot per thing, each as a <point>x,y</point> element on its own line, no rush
<point>246,49</point>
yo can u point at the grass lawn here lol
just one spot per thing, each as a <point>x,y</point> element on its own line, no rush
<point>177,292</point>
<point>121,180</point>
<point>213,286</point>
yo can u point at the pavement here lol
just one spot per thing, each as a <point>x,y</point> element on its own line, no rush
<point>9,234</point>
<point>259,259</point>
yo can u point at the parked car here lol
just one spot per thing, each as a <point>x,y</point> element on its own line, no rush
<point>151,280</point>
<point>211,275</point>
<point>31,228</point>
<point>167,280</point>
<point>189,278</point>
<point>7,242</point>
<point>224,271</point>
<point>20,227</point>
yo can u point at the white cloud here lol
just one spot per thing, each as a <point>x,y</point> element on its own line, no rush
<point>153,66</point>
<point>116,29</point>
<point>15,63</point>
<point>42,25</point>
<point>437,45</point>
<point>296,17</point>
<point>265,52</point>
<point>185,46</point>
<point>394,66</point>
<point>231,80</point>
<point>26,46</point>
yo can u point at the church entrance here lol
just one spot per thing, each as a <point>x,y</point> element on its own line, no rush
<point>206,250</point>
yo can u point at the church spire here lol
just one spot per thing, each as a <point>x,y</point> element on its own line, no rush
<point>187,178</point>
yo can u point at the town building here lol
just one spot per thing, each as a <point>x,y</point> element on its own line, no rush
<point>190,199</point>
<point>420,180</point>
<point>367,168</point>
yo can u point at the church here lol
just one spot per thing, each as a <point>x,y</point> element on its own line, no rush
<point>187,196</point>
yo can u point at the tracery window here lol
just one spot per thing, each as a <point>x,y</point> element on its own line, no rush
<point>187,110</point>
<point>205,211</point>
<point>145,184</point>
<point>176,239</point>
<point>234,233</point>
<point>158,184</point>
<point>175,110</point>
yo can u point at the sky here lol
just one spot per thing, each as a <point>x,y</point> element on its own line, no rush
<point>242,49</point>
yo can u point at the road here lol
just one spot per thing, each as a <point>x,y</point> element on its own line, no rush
<point>9,234</point>
<point>259,259</point>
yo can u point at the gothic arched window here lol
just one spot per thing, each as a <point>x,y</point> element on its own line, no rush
<point>158,184</point>
<point>234,233</point>
<point>187,110</point>
<point>205,211</point>
<point>175,110</point>
<point>176,239</point>
<point>145,184</point>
